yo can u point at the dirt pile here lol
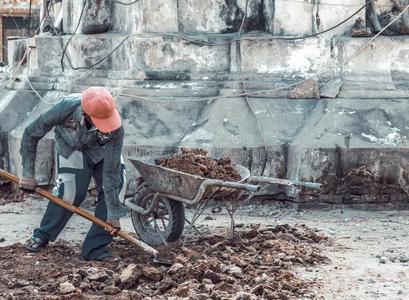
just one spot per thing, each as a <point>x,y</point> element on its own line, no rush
<point>197,162</point>
<point>359,186</point>
<point>257,264</point>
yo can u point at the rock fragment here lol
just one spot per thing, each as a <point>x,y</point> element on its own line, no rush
<point>305,90</point>
<point>67,287</point>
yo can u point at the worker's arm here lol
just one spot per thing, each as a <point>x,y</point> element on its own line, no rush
<point>56,115</point>
<point>112,175</point>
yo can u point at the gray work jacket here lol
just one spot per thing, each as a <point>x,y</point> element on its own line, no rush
<point>72,134</point>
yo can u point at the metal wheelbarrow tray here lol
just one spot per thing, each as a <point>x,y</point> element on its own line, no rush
<point>185,187</point>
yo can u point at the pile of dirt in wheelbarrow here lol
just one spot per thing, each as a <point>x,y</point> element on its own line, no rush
<point>197,162</point>
<point>258,264</point>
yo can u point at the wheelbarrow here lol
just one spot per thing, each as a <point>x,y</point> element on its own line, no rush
<point>158,204</point>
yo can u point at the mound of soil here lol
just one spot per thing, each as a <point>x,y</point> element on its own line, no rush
<point>197,162</point>
<point>257,264</point>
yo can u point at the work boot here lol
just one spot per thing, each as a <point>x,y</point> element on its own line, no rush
<point>35,244</point>
<point>108,257</point>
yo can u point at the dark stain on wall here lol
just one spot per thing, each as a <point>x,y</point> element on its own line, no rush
<point>233,16</point>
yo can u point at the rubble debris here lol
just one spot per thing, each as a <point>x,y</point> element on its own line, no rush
<point>152,273</point>
<point>213,267</point>
<point>359,185</point>
<point>306,90</point>
<point>67,287</point>
<point>129,275</point>
<point>331,88</point>
<point>359,29</point>
<point>197,162</point>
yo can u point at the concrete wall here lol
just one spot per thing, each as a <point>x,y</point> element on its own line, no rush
<point>149,53</point>
<point>280,17</point>
<point>297,138</point>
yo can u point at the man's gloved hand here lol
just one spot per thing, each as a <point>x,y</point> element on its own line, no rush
<point>28,184</point>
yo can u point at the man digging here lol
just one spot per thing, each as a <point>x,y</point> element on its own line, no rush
<point>89,137</point>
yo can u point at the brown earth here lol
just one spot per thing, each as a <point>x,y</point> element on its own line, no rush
<point>197,162</point>
<point>258,263</point>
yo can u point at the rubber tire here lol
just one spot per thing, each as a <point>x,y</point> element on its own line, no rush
<point>178,219</point>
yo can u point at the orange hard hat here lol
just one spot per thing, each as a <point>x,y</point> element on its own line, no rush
<point>99,105</point>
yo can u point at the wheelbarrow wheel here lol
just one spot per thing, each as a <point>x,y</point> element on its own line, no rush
<point>165,223</point>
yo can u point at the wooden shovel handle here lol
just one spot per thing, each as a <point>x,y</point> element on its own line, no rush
<point>108,227</point>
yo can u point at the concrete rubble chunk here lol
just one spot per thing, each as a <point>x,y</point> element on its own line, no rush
<point>213,276</point>
<point>244,296</point>
<point>305,90</point>
<point>331,88</point>
<point>67,287</point>
<point>235,271</point>
<point>152,273</point>
<point>129,275</point>
<point>175,268</point>
<point>95,274</point>
<point>130,295</point>
<point>182,291</point>
<point>111,290</point>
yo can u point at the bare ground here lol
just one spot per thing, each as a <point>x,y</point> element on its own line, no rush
<point>368,254</point>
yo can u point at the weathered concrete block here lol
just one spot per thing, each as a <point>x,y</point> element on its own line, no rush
<point>128,18</point>
<point>45,54</point>
<point>293,18</point>
<point>45,149</point>
<point>331,88</point>
<point>218,16</point>
<point>206,16</point>
<point>14,107</point>
<point>281,119</point>
<point>386,55</point>
<point>170,54</point>
<point>160,16</point>
<point>286,57</point>
<point>328,16</point>
<point>160,123</point>
<point>96,16</point>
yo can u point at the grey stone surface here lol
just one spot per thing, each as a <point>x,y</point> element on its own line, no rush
<point>286,13</point>
<point>160,16</point>
<point>97,15</point>
<point>45,150</point>
<point>286,57</point>
<point>385,55</point>
<point>128,18</point>
<point>14,107</point>
<point>156,53</point>
<point>331,88</point>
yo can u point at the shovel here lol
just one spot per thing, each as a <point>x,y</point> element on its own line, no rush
<point>108,227</point>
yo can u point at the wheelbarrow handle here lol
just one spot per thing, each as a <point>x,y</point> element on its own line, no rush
<point>270,180</point>
<point>232,184</point>
<point>108,227</point>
